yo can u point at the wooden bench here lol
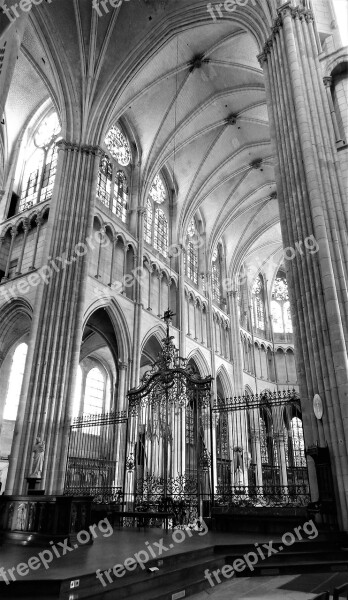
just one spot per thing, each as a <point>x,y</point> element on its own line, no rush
<point>142,517</point>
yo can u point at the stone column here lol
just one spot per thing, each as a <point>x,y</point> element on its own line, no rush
<point>311,203</point>
<point>211,333</point>
<point>114,242</point>
<point>181,318</point>
<point>20,260</point>
<point>138,302</point>
<point>101,235</point>
<point>327,82</point>
<point>160,277</point>
<point>8,262</point>
<point>39,222</point>
<point>45,407</point>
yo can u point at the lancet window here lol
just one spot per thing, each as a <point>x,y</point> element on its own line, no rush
<point>258,303</point>
<point>191,256</point>
<point>112,184</point>
<point>216,274</point>
<point>156,230</point>
<point>41,163</point>
<point>280,305</point>
<point>15,382</point>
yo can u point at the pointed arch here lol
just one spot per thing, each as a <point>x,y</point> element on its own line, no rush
<point>223,377</point>
<point>15,316</point>
<point>199,359</point>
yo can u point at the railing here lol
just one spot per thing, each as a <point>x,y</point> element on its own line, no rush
<point>262,496</point>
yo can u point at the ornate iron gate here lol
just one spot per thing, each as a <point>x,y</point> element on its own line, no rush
<point>170,438</point>
<point>260,451</point>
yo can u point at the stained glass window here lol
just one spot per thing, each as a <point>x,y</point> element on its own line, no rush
<point>41,166</point>
<point>120,198</point>
<point>281,305</point>
<point>49,173</point>
<point>31,180</point>
<point>280,289</point>
<point>258,313</point>
<point>216,276</point>
<point>158,191</point>
<point>47,131</point>
<point>94,393</point>
<point>118,146</point>
<point>192,263</point>
<point>104,181</point>
<point>298,447</point>
<point>148,222</point>
<point>160,240</point>
<point>15,382</point>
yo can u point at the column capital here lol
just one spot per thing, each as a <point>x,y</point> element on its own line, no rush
<point>262,58</point>
<point>39,220</point>
<point>26,224</point>
<point>327,81</point>
<point>83,148</point>
<point>141,210</point>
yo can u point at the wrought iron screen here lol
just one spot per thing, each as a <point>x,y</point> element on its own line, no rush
<point>260,452</point>
<point>169,452</point>
<point>96,457</point>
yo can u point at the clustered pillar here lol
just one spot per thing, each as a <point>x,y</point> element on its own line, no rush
<point>46,400</point>
<point>311,202</point>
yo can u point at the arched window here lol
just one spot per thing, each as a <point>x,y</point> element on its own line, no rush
<point>191,257</point>
<point>118,146</point>
<point>158,190</point>
<point>148,222</point>
<point>41,164</point>
<point>280,305</point>
<point>297,442</point>
<point>104,181</point>
<point>15,382</point>
<point>160,239</point>
<point>112,185</point>
<point>258,312</point>
<point>120,198</point>
<point>216,274</point>
<point>156,229</point>
<point>94,393</point>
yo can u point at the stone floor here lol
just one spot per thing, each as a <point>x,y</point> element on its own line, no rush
<point>124,543</point>
<point>108,551</point>
<point>285,587</point>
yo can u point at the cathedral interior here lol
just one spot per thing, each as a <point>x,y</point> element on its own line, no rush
<point>173,265</point>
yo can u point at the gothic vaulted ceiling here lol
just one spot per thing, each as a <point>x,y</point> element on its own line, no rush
<point>190,92</point>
